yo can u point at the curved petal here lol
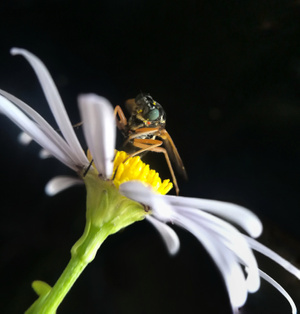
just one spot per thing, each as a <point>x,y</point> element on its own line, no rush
<point>60,183</point>
<point>255,245</point>
<point>168,234</point>
<point>45,127</point>
<point>55,102</point>
<point>99,128</point>
<point>276,285</point>
<point>34,131</point>
<point>225,260</point>
<point>235,213</point>
<point>230,237</point>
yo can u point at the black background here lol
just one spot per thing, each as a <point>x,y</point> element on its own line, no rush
<point>228,76</point>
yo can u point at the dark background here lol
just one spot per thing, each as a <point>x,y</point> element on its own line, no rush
<point>228,76</point>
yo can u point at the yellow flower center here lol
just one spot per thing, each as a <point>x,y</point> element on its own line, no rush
<point>128,169</point>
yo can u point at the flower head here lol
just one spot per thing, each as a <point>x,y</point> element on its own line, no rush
<point>120,188</point>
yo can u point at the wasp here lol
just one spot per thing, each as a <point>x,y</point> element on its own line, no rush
<point>147,122</point>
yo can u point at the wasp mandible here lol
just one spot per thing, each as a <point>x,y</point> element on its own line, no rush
<point>147,122</point>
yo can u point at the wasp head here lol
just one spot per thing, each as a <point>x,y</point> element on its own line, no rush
<point>149,111</point>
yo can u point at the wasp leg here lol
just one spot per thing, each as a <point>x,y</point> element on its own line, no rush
<point>88,168</point>
<point>122,121</point>
<point>164,151</point>
<point>141,132</point>
<point>145,145</point>
<point>153,146</point>
<point>77,125</point>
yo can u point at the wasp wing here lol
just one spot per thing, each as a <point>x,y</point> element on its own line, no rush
<point>173,153</point>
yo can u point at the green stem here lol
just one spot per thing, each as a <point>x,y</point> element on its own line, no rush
<point>107,212</point>
<point>83,252</point>
<point>63,285</point>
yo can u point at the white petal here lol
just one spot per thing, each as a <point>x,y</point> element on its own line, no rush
<point>235,213</point>
<point>230,237</point>
<point>43,154</point>
<point>138,192</point>
<point>280,289</point>
<point>235,310</point>
<point>273,256</point>
<point>224,259</point>
<point>60,183</point>
<point>24,138</point>
<point>55,103</point>
<point>45,127</point>
<point>33,130</point>
<point>168,234</point>
<point>99,128</point>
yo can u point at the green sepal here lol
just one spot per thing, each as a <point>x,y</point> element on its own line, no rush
<point>105,204</point>
<point>107,212</point>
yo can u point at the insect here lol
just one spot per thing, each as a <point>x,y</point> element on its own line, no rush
<point>147,123</point>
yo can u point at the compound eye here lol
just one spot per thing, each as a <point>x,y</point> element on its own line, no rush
<point>153,114</point>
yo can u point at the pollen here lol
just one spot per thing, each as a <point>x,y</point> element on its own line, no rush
<point>127,169</point>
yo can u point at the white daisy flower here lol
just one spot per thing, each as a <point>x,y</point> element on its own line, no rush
<point>121,191</point>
